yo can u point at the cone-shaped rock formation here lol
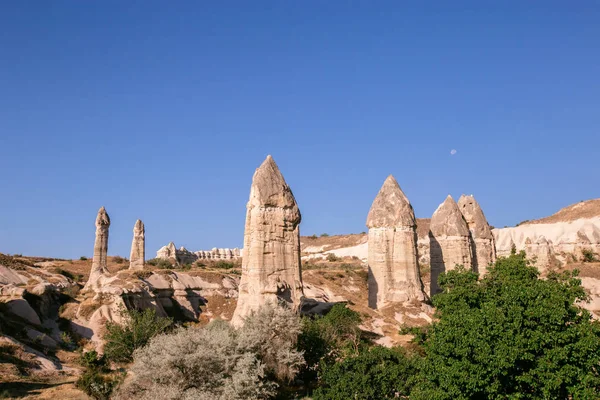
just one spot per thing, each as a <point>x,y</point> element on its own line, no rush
<point>99,262</point>
<point>541,253</point>
<point>393,261</point>
<point>138,246</point>
<point>483,244</point>
<point>450,243</point>
<point>271,259</point>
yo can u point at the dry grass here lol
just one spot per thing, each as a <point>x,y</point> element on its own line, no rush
<point>583,209</point>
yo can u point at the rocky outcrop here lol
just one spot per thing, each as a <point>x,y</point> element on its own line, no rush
<point>99,262</point>
<point>182,296</point>
<point>168,252</point>
<point>450,243</point>
<point>138,247</point>
<point>218,254</point>
<point>571,232</point>
<point>393,265</point>
<point>541,253</point>
<point>568,239</point>
<point>482,239</point>
<point>184,256</point>
<point>271,261</point>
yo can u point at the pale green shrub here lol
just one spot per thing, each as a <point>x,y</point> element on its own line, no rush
<point>218,362</point>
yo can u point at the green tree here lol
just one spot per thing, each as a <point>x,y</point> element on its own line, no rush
<point>137,329</point>
<point>510,336</point>
<point>329,338</point>
<point>374,374</point>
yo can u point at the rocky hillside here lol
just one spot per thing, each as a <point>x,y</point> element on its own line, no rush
<point>568,234</point>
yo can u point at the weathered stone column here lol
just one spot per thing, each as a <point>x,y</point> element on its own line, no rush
<point>271,269</point>
<point>450,243</point>
<point>483,243</point>
<point>99,262</point>
<point>393,262</point>
<point>138,246</point>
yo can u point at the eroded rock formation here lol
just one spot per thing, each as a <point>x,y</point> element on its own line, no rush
<point>138,246</point>
<point>393,265</point>
<point>541,253</point>
<point>271,261</point>
<point>99,261</point>
<point>168,252</point>
<point>483,245</point>
<point>184,256</point>
<point>450,243</point>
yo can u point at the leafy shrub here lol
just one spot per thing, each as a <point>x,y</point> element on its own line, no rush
<point>160,263</point>
<point>324,235</point>
<point>119,259</point>
<point>96,384</point>
<point>223,265</point>
<point>218,362</point>
<point>376,373</point>
<point>510,335</point>
<point>83,258</point>
<point>329,338</point>
<point>588,255</point>
<point>91,359</point>
<point>138,328</point>
<point>313,236</point>
<point>331,257</point>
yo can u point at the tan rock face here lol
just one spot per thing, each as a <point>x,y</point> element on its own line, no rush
<point>484,247</point>
<point>271,260</point>
<point>99,267</point>
<point>450,243</point>
<point>541,253</point>
<point>138,246</point>
<point>168,252</point>
<point>393,261</point>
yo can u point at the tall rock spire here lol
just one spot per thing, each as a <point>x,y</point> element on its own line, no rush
<point>484,246</point>
<point>450,243</point>
<point>271,269</point>
<point>138,246</point>
<point>393,261</point>
<point>99,262</point>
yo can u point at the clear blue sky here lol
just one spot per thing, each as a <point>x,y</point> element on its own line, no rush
<point>163,110</point>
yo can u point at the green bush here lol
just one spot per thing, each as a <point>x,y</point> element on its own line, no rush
<point>373,374</point>
<point>588,255</point>
<point>138,328</point>
<point>332,257</point>
<point>510,335</point>
<point>329,338</point>
<point>223,265</point>
<point>218,361</point>
<point>91,359</point>
<point>160,263</point>
<point>324,235</point>
<point>97,385</point>
<point>119,259</point>
<point>83,258</point>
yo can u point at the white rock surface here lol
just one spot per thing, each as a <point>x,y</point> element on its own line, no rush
<point>271,262</point>
<point>450,243</point>
<point>138,246</point>
<point>392,258</point>
<point>99,262</point>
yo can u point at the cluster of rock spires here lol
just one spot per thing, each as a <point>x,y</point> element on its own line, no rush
<point>271,268</point>
<point>458,235</point>
<point>184,256</point>
<point>99,261</point>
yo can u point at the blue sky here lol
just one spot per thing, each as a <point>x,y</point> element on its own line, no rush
<point>162,111</point>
